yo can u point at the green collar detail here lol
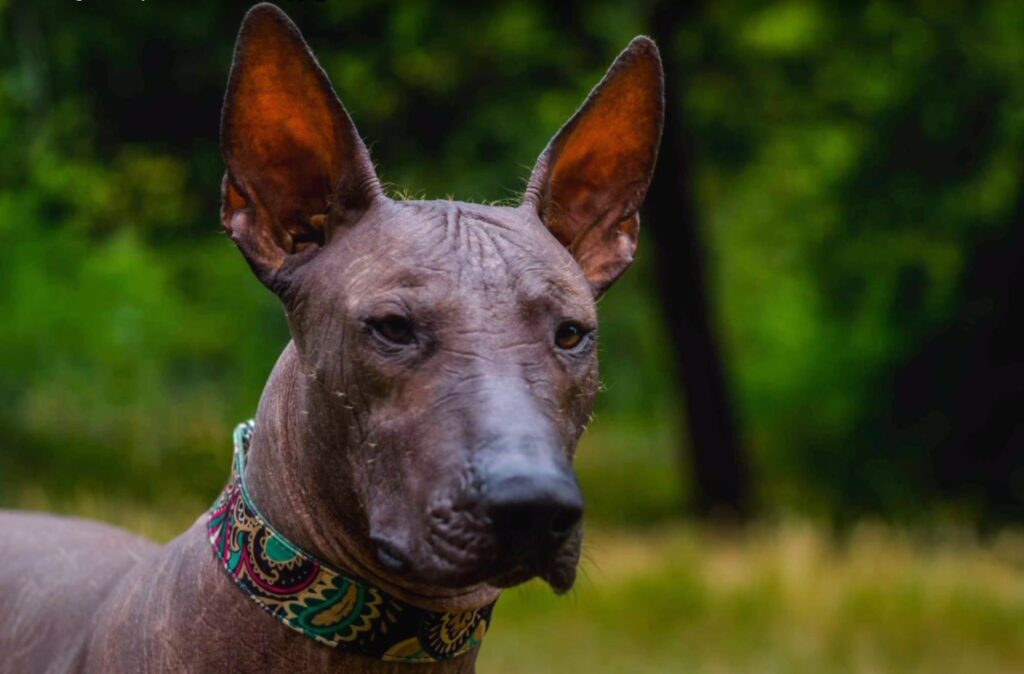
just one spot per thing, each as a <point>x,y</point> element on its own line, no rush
<point>320,601</point>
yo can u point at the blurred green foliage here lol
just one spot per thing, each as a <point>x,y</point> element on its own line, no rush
<point>853,156</point>
<point>850,156</point>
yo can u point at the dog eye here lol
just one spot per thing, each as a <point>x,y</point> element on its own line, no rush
<point>569,335</point>
<point>394,328</point>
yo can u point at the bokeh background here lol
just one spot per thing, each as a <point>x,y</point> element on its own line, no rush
<point>809,456</point>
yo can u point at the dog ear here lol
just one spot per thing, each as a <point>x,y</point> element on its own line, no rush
<point>591,180</point>
<point>295,162</point>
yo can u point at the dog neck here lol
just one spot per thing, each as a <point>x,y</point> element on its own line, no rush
<point>324,603</point>
<point>296,474</point>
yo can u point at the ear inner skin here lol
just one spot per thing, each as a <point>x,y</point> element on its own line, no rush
<point>295,162</point>
<point>592,178</point>
<point>251,241</point>
<point>606,250</point>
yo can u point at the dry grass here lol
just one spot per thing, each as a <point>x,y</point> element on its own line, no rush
<point>781,599</point>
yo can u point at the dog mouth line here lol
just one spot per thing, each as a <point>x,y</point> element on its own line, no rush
<point>472,569</point>
<point>457,559</point>
<point>519,573</point>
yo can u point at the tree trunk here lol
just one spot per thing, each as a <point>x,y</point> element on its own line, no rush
<point>717,458</point>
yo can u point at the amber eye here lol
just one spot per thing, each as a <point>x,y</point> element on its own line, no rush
<point>394,328</point>
<point>569,335</point>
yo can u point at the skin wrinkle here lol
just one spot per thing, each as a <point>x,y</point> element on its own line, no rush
<point>460,240</point>
<point>475,259</point>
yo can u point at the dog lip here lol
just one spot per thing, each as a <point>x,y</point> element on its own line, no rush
<point>389,555</point>
<point>521,571</point>
<point>557,570</point>
<point>511,577</point>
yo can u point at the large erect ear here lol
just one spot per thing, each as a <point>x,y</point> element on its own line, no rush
<point>591,180</point>
<point>295,162</point>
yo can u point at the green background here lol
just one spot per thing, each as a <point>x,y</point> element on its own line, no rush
<point>851,157</point>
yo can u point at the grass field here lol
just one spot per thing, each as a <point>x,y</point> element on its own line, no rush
<point>781,598</point>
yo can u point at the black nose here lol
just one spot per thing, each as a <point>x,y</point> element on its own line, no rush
<point>530,510</point>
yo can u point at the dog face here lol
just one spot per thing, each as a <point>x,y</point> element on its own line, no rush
<point>449,348</point>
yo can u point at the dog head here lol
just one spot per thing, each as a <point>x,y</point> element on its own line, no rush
<point>450,348</point>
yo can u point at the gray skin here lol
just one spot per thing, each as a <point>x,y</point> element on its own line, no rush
<point>419,429</point>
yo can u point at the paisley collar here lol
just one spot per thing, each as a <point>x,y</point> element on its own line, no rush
<point>320,601</point>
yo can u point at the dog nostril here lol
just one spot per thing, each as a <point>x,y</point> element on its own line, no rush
<point>563,523</point>
<point>522,522</point>
<point>516,519</point>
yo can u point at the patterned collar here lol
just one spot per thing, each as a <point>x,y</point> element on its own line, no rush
<point>320,601</point>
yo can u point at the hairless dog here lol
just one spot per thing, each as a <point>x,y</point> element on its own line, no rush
<point>412,451</point>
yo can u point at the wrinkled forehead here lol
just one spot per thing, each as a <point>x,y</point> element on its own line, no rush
<point>457,248</point>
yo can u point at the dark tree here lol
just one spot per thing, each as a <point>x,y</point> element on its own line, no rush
<point>719,465</point>
<point>961,395</point>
